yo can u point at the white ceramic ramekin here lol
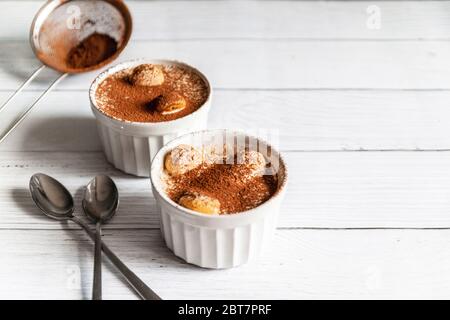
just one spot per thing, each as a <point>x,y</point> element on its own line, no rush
<point>216,241</point>
<point>130,146</point>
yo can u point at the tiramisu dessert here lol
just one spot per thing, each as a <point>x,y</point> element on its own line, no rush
<point>151,93</point>
<point>213,182</point>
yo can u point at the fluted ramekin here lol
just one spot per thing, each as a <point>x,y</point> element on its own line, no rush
<point>216,241</point>
<point>130,146</point>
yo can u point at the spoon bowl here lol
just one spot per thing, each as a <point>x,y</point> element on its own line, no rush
<point>54,200</point>
<point>101,199</point>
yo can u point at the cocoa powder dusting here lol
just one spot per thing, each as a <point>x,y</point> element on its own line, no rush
<point>232,184</point>
<point>118,97</point>
<point>91,51</point>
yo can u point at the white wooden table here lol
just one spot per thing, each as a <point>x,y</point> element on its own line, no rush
<point>364,122</point>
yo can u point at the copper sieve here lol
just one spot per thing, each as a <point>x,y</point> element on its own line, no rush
<point>61,25</point>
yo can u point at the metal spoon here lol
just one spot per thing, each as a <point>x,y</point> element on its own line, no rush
<point>100,202</point>
<point>56,202</point>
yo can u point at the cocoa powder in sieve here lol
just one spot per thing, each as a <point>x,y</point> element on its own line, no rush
<point>91,51</point>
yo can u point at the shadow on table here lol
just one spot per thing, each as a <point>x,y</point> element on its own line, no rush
<point>23,200</point>
<point>54,133</point>
<point>18,61</point>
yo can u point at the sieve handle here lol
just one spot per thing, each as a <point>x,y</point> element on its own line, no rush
<point>16,123</point>
<point>23,86</point>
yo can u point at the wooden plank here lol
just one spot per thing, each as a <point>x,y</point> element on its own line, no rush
<point>138,207</point>
<point>326,190</point>
<point>255,19</point>
<point>304,120</point>
<point>272,64</point>
<point>300,264</point>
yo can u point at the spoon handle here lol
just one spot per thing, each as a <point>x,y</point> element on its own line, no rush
<point>97,286</point>
<point>138,285</point>
<point>23,86</point>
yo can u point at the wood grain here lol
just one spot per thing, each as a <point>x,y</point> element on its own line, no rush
<point>303,120</point>
<point>255,19</point>
<point>325,190</point>
<point>300,264</point>
<point>241,64</point>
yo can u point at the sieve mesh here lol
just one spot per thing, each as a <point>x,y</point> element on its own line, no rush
<point>61,25</point>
